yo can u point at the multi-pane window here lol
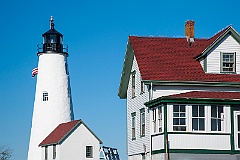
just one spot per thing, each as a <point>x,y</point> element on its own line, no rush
<point>89,151</point>
<point>133,85</point>
<point>54,151</point>
<point>198,117</point>
<point>45,96</point>
<point>46,153</point>
<point>133,125</point>
<point>228,62</point>
<point>157,119</point>
<point>142,122</point>
<point>160,119</point>
<point>179,117</point>
<point>216,118</point>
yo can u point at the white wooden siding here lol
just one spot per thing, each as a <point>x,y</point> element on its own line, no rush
<point>227,45</point>
<point>74,147</point>
<point>157,142</point>
<point>191,141</point>
<point>159,91</point>
<point>134,105</point>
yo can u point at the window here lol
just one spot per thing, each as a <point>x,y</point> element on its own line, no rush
<point>198,118</point>
<point>154,116</point>
<point>179,117</point>
<point>142,87</point>
<point>160,119</point>
<point>133,85</point>
<point>142,122</point>
<point>45,96</point>
<point>134,126</point>
<point>227,62</point>
<point>216,118</point>
<point>89,151</point>
<point>54,151</point>
<point>46,153</point>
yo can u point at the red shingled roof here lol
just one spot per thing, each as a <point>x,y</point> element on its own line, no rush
<point>203,94</point>
<point>59,133</point>
<point>170,59</point>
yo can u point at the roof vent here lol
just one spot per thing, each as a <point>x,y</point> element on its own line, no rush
<point>189,31</point>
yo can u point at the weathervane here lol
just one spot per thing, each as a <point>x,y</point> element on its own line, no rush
<point>51,23</point>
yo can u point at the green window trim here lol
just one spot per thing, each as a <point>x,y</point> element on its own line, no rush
<point>221,62</point>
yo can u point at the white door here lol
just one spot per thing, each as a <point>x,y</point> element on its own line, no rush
<point>237,130</point>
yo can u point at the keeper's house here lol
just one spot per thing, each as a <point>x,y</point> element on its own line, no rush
<point>183,96</point>
<point>71,141</point>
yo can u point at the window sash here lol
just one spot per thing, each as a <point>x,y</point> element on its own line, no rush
<point>179,118</point>
<point>198,118</point>
<point>142,122</point>
<point>228,62</point>
<point>89,151</point>
<point>216,118</point>
<point>133,85</point>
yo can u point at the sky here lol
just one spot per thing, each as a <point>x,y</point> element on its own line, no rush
<point>96,33</point>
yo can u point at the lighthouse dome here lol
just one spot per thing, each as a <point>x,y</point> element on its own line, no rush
<point>52,41</point>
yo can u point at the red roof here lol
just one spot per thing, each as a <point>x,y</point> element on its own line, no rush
<point>59,133</point>
<point>170,59</point>
<point>211,95</point>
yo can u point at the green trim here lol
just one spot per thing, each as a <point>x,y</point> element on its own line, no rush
<point>126,71</point>
<point>196,151</point>
<point>232,128</point>
<point>192,83</point>
<point>165,125</point>
<point>205,64</point>
<point>230,31</point>
<point>200,133</point>
<point>221,62</point>
<point>163,100</point>
<point>158,134</point>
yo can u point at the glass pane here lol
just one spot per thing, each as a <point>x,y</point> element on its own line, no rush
<point>238,140</point>
<point>182,114</point>
<point>182,121</point>
<point>183,128</point>
<point>182,108</point>
<point>175,114</point>
<point>219,125</point>
<point>238,120</point>
<point>195,111</point>
<point>201,111</point>
<point>175,108</point>
<point>194,124</point>
<point>201,124</point>
<point>220,110</point>
<point>213,124</point>
<point>214,111</point>
<point>175,121</point>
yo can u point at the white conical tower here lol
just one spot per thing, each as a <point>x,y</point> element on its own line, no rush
<point>53,104</point>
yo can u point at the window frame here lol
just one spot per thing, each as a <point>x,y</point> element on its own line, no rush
<point>46,152</point>
<point>133,115</point>
<point>89,153</point>
<point>217,117</point>
<point>142,122</point>
<point>45,96</point>
<point>133,84</point>
<point>199,117</point>
<point>222,62</point>
<point>54,151</point>
<point>179,117</point>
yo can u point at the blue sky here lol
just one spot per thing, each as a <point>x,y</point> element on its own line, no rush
<point>97,34</point>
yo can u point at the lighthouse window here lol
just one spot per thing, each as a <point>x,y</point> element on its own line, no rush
<point>45,96</point>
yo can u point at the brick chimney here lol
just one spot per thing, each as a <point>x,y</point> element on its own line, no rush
<point>189,31</point>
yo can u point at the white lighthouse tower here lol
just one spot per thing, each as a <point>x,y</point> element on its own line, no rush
<point>53,104</point>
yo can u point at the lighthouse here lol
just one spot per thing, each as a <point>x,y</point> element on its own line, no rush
<point>53,103</point>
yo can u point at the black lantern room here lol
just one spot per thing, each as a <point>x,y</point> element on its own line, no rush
<point>52,41</point>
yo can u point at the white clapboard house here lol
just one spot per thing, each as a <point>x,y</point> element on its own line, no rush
<point>71,141</point>
<point>183,96</point>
